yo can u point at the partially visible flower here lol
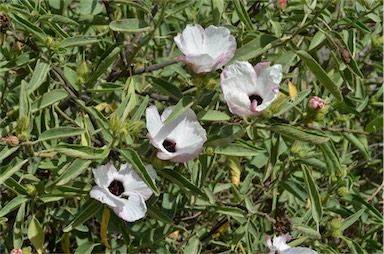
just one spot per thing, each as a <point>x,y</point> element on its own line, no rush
<point>123,191</point>
<point>207,49</point>
<point>279,246</point>
<point>280,4</point>
<point>180,140</point>
<point>17,251</point>
<point>249,90</point>
<point>316,103</point>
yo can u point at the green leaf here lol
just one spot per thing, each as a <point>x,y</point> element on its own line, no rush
<point>60,132</point>
<point>24,103</point>
<point>363,148</point>
<point>193,246</point>
<point>86,248</point>
<point>243,14</point>
<point>36,235</point>
<point>357,200</point>
<point>182,182</point>
<point>76,168</point>
<point>317,39</point>
<point>134,159</point>
<point>212,116</point>
<point>217,11</point>
<point>106,60</point>
<point>314,196</point>
<point>39,76</point>
<point>375,125</point>
<point>238,150</point>
<point>12,205</point>
<point>320,74</point>
<point>89,209</point>
<point>48,99</point>
<point>59,19</point>
<point>7,173</point>
<point>331,157</point>
<point>18,227</point>
<point>79,40</point>
<point>294,188</point>
<point>81,152</point>
<point>130,26</point>
<point>30,27</point>
<point>307,231</point>
<point>230,211</point>
<point>296,133</point>
<point>6,152</point>
<point>256,47</point>
<point>351,220</point>
<point>155,213</point>
<point>166,88</point>
<point>180,108</point>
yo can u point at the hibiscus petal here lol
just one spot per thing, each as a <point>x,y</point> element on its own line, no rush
<point>153,120</point>
<point>298,250</point>
<point>218,42</point>
<point>104,175</point>
<point>131,209</point>
<point>190,41</point>
<point>103,195</point>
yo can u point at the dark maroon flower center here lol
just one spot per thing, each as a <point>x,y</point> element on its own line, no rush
<point>169,146</point>
<point>257,98</point>
<point>116,188</point>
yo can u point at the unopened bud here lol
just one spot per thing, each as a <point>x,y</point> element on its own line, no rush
<point>211,84</point>
<point>334,227</point>
<point>316,103</point>
<point>209,151</point>
<point>17,251</point>
<point>342,191</point>
<point>5,21</point>
<point>280,4</point>
<point>31,190</point>
<point>268,114</point>
<point>11,140</point>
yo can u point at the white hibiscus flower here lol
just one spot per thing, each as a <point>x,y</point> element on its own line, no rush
<point>180,140</point>
<point>207,49</point>
<point>123,191</point>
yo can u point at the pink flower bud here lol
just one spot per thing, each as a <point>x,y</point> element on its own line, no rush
<point>316,103</point>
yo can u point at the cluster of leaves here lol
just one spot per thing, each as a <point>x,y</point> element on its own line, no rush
<point>77,76</point>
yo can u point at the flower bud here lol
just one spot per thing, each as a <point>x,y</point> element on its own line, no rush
<point>342,191</point>
<point>11,140</point>
<point>342,171</point>
<point>210,151</point>
<point>17,251</point>
<point>22,124</point>
<point>211,84</point>
<point>268,114</point>
<point>334,227</point>
<point>31,190</point>
<point>316,103</point>
<point>82,70</point>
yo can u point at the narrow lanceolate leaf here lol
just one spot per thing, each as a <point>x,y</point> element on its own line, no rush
<point>182,182</point>
<point>213,116</point>
<point>106,60</point>
<point>6,152</point>
<point>231,211</point>
<point>74,170</point>
<point>90,208</point>
<point>79,40</point>
<point>314,196</point>
<point>238,150</point>
<point>134,159</point>
<point>81,152</point>
<point>358,143</point>
<point>36,235</point>
<point>331,157</point>
<point>296,133</point>
<point>217,11</point>
<point>351,219</point>
<point>39,76</point>
<point>18,227</point>
<point>243,14</point>
<point>180,108</point>
<point>320,74</point>
<point>12,205</point>
<point>60,132</point>
<point>193,245</point>
<point>48,99</point>
<point>7,173</point>
<point>166,88</point>
<point>130,26</point>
